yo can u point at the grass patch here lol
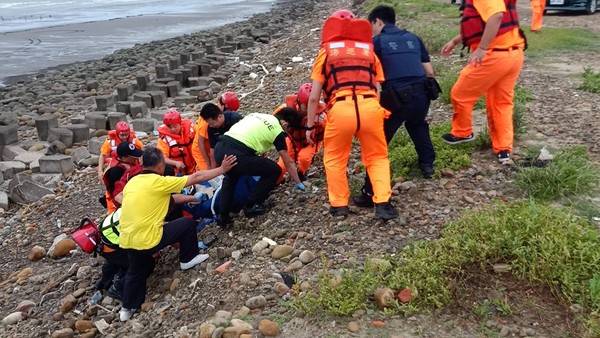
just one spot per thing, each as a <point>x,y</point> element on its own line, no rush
<point>570,173</point>
<point>591,81</point>
<point>403,157</point>
<point>541,243</point>
<point>562,39</point>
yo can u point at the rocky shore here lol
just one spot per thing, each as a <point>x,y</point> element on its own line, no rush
<point>51,129</point>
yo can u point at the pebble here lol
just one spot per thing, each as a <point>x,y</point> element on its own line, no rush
<point>13,318</point>
<point>281,251</point>
<point>307,256</point>
<point>256,302</point>
<point>268,328</point>
<point>353,327</point>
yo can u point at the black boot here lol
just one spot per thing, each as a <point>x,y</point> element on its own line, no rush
<point>385,211</point>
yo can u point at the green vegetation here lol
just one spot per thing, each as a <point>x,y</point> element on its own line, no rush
<point>591,81</point>
<point>541,243</point>
<point>403,157</point>
<point>562,39</point>
<point>570,173</point>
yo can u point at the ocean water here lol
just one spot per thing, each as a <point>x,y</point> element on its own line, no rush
<point>37,34</point>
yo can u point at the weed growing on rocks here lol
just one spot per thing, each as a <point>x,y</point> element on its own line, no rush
<point>570,173</point>
<point>591,81</point>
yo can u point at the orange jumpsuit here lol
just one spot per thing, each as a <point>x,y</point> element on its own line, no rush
<point>495,78</point>
<point>537,14</point>
<point>341,126</point>
<point>178,147</point>
<point>300,151</point>
<point>201,131</point>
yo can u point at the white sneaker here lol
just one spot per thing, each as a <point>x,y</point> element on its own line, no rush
<point>195,261</point>
<point>126,314</point>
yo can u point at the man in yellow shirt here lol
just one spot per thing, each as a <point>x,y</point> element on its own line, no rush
<point>146,200</point>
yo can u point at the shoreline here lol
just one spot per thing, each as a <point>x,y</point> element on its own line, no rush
<point>56,47</point>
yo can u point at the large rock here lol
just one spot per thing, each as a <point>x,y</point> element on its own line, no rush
<point>8,134</point>
<point>10,168</point>
<point>27,188</point>
<point>29,157</point>
<point>80,154</point>
<point>95,144</point>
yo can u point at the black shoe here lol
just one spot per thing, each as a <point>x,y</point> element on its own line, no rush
<point>224,221</point>
<point>385,211</point>
<point>114,293</point>
<point>301,176</point>
<point>339,211</point>
<point>363,201</point>
<point>255,210</point>
<point>427,170</point>
<point>504,157</point>
<point>449,138</point>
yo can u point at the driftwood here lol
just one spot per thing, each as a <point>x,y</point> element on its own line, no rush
<point>51,285</point>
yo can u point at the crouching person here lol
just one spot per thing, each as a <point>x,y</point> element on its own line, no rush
<point>146,200</point>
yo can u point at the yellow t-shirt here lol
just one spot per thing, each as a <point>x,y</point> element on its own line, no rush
<point>487,8</point>
<point>145,204</point>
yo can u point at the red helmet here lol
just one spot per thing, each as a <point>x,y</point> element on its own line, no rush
<point>304,93</point>
<point>343,14</point>
<point>171,117</point>
<point>122,127</point>
<point>229,101</point>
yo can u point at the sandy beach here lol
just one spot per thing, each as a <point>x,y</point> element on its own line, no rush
<point>26,52</point>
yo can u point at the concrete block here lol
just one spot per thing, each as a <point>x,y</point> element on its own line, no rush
<point>104,101</point>
<point>8,134</point>
<point>197,55</point>
<point>174,88</point>
<point>138,109</point>
<point>94,145</point>
<point>25,188</point>
<point>185,58</point>
<point>80,154</point>
<point>29,157</point>
<point>194,91</point>
<point>174,63</point>
<point>220,41</point>
<point>158,97</point>
<point>220,78</point>
<point>124,91</point>
<point>81,132</point>
<point>10,152</point>
<point>163,80</point>
<point>184,100</point>
<point>144,124</point>
<point>79,119</point>
<point>159,87</point>
<point>193,69</point>
<point>64,135</point>
<point>193,81</point>
<point>227,49</point>
<point>96,120</point>
<point>185,74</point>
<point>43,123</point>
<point>143,97</point>
<point>142,80</point>
<point>123,107</point>
<point>114,118</point>
<point>204,80</point>
<point>157,114</point>
<point>59,164</point>
<point>3,200</point>
<point>161,71</point>
<point>177,75</point>
<point>205,69</point>
<point>209,48</point>
<point>8,169</point>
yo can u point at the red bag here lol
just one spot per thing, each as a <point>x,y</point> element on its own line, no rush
<point>87,236</point>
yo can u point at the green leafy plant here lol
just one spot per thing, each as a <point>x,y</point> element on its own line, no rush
<point>591,81</point>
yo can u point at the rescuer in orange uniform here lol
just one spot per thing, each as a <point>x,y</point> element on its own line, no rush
<point>108,151</point>
<point>201,148</point>
<point>348,73</point>
<point>537,14</point>
<point>301,151</point>
<point>176,136</point>
<point>491,30</point>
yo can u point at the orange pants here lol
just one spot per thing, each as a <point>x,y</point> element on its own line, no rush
<point>303,157</point>
<point>537,13</point>
<point>339,131</point>
<point>496,78</point>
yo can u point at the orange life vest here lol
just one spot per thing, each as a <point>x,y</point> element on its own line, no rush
<point>298,136</point>
<point>472,25</point>
<point>130,172</point>
<point>180,145</point>
<point>114,141</point>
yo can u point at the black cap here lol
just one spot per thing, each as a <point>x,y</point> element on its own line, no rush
<point>125,149</point>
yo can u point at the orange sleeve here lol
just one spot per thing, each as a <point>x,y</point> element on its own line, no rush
<point>163,147</point>
<point>279,108</point>
<point>105,149</point>
<point>378,70</point>
<point>487,8</point>
<point>202,128</point>
<point>317,70</point>
<point>139,144</point>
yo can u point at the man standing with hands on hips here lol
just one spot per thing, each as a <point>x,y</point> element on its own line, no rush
<point>490,28</point>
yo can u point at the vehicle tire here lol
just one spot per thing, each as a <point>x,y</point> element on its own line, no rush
<point>591,7</point>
